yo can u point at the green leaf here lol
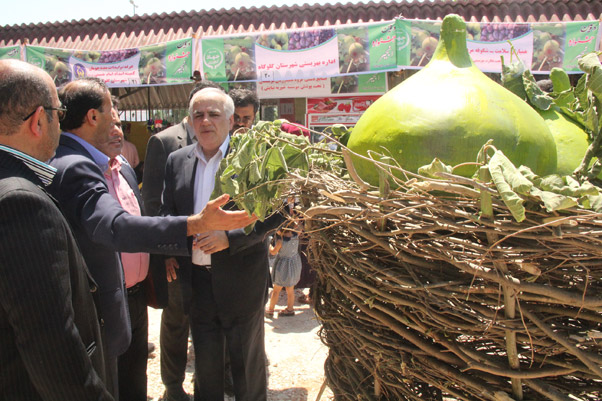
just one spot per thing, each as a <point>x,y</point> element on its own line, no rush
<point>512,77</point>
<point>538,98</point>
<point>254,173</point>
<point>595,202</point>
<point>560,80</point>
<point>510,183</point>
<point>553,201</point>
<point>436,166</point>
<point>590,64</point>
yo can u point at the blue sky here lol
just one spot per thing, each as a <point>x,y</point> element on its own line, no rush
<point>35,11</point>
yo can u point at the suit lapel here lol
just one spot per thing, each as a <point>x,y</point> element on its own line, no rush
<point>187,188</point>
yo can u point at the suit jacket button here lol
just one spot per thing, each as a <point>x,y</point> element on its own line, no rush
<point>93,288</point>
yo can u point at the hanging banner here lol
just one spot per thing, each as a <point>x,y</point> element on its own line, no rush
<point>296,55</point>
<point>342,54</point>
<point>487,55</point>
<point>54,61</point>
<point>580,40</point>
<point>403,33</point>
<point>293,88</point>
<point>541,46</point>
<point>363,83</point>
<point>214,59</point>
<point>11,52</point>
<point>229,59</point>
<point>382,43</point>
<point>166,63</point>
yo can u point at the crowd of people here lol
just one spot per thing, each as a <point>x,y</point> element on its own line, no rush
<point>84,251</point>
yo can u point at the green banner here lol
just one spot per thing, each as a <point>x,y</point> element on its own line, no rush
<point>165,63</point>
<point>372,83</point>
<point>382,46</point>
<point>403,33</point>
<point>54,61</point>
<point>580,40</point>
<point>179,60</point>
<point>214,60</point>
<point>11,52</point>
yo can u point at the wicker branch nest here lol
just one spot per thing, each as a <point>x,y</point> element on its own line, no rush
<point>421,300</point>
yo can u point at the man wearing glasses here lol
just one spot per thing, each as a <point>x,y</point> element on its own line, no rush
<point>50,343</point>
<point>245,109</point>
<point>100,224</point>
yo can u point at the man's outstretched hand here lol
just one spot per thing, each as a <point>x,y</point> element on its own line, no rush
<point>213,217</point>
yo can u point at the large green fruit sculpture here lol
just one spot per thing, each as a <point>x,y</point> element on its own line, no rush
<point>571,141</point>
<point>449,110</point>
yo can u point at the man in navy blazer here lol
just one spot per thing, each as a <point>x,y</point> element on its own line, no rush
<point>50,342</point>
<point>224,290</point>
<point>101,226</point>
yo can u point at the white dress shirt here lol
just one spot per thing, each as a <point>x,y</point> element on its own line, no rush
<point>204,181</point>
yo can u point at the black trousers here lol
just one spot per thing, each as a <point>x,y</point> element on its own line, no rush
<point>174,339</point>
<point>243,339</point>
<point>131,365</point>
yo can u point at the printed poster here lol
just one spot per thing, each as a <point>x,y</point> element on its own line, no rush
<point>487,55</point>
<point>165,63</point>
<point>382,47</point>
<point>293,88</point>
<point>299,54</point>
<point>11,52</point>
<point>580,40</point>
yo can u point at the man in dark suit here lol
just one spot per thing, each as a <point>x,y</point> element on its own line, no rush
<point>225,286</point>
<point>174,322</point>
<point>101,226</point>
<point>50,344</point>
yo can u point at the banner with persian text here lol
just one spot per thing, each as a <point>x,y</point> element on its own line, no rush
<point>319,52</point>
<point>541,46</point>
<point>162,64</point>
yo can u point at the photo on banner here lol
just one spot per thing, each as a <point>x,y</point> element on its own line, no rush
<point>297,54</point>
<point>162,64</point>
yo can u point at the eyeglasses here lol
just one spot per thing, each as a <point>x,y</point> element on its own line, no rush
<point>61,112</point>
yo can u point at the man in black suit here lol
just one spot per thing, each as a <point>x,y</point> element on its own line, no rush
<point>101,226</point>
<point>174,322</point>
<point>50,344</point>
<point>225,286</point>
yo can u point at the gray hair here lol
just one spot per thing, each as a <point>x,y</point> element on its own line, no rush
<point>228,102</point>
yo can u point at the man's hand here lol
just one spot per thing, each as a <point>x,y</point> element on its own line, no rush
<point>214,218</point>
<point>171,264</point>
<point>211,242</point>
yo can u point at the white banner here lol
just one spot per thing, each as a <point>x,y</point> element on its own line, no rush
<point>486,55</point>
<point>294,88</point>
<point>114,74</point>
<point>319,61</point>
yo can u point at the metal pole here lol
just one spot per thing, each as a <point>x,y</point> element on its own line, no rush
<point>148,104</point>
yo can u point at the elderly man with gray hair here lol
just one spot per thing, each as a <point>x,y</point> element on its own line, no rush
<point>225,283</point>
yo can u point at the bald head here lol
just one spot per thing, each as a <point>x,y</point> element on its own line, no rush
<point>23,87</point>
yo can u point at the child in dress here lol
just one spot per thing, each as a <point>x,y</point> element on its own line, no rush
<point>286,271</point>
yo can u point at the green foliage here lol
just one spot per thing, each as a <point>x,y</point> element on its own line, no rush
<point>520,186</point>
<point>581,104</point>
<point>256,170</point>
